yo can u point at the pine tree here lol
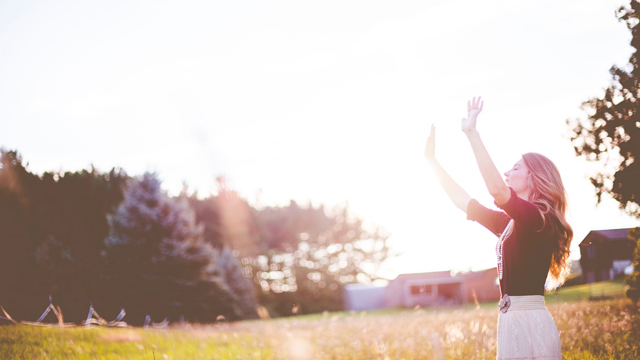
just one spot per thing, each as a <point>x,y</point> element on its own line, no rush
<point>241,287</point>
<point>158,261</point>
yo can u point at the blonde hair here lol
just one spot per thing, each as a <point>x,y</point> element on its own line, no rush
<point>547,191</point>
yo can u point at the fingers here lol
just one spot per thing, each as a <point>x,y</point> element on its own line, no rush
<point>429,151</point>
<point>475,104</point>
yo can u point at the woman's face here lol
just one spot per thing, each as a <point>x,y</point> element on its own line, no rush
<point>516,178</point>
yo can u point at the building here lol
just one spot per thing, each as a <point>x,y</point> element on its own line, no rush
<point>605,254</point>
<point>364,297</point>
<point>425,289</point>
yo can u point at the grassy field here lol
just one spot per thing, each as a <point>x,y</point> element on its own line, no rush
<point>603,329</point>
<point>597,291</point>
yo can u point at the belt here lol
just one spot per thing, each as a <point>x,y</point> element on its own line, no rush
<point>526,302</point>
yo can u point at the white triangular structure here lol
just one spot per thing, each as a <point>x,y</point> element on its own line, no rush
<point>56,311</point>
<point>6,316</point>
<point>147,322</point>
<point>93,318</point>
<point>44,315</point>
<point>118,321</point>
<point>162,324</point>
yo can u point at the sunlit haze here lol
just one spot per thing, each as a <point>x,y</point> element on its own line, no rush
<point>320,102</point>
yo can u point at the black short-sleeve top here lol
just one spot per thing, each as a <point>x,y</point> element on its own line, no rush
<point>527,251</point>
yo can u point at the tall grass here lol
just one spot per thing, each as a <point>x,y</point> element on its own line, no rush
<point>608,329</point>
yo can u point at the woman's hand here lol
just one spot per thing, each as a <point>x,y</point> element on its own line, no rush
<point>430,150</point>
<point>474,107</point>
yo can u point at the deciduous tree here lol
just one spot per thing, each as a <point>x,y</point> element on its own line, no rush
<point>298,257</point>
<point>611,132</point>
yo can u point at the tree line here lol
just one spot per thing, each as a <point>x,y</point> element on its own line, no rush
<point>114,240</point>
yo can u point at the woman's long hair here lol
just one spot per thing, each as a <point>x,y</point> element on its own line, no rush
<point>548,193</point>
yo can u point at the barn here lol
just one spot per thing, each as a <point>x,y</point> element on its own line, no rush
<point>605,254</point>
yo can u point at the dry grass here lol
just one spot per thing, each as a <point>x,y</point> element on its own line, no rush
<point>607,329</point>
<point>598,330</point>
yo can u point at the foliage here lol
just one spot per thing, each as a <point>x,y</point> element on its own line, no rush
<point>588,330</point>
<point>52,228</point>
<point>633,280</point>
<point>240,286</point>
<point>298,257</point>
<point>312,253</point>
<point>158,261</point>
<point>191,256</point>
<point>56,264</point>
<point>611,133</point>
<point>207,212</point>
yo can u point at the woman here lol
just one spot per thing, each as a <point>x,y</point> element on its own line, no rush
<point>533,245</point>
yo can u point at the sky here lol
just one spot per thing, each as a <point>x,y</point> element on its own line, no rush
<point>323,102</point>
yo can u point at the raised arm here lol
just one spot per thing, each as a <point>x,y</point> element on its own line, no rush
<point>456,193</point>
<point>492,178</point>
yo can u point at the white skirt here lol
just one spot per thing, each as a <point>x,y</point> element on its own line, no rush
<point>527,331</point>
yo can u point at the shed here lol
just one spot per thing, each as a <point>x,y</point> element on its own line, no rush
<point>605,254</point>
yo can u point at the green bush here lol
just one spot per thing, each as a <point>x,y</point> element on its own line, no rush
<point>633,280</point>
